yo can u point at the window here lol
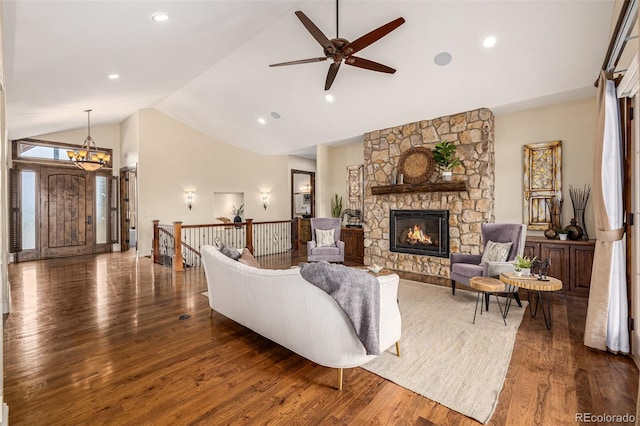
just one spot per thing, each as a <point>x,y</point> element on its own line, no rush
<point>40,151</point>
<point>102,209</point>
<point>28,209</point>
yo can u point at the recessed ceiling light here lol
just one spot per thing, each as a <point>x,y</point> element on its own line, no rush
<point>113,76</point>
<point>262,121</point>
<point>489,42</point>
<point>329,98</point>
<point>275,115</point>
<point>442,59</point>
<point>160,17</point>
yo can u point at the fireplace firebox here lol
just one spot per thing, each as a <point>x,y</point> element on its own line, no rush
<point>424,232</point>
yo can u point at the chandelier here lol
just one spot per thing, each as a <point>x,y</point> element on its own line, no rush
<point>88,157</point>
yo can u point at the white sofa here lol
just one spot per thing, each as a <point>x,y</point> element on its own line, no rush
<point>285,308</point>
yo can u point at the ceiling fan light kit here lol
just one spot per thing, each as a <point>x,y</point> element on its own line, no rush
<point>339,49</point>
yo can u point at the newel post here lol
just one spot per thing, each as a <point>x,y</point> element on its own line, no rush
<point>249,235</point>
<point>156,241</point>
<point>177,247</point>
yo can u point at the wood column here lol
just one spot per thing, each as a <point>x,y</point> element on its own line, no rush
<point>178,264</point>
<point>156,241</point>
<point>249,235</point>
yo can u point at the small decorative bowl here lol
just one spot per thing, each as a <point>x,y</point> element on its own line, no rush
<point>375,269</point>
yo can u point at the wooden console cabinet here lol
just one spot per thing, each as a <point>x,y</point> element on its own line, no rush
<point>571,261</point>
<point>302,228</point>
<point>353,244</point>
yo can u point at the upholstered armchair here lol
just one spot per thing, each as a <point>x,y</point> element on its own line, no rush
<point>465,266</point>
<point>325,241</point>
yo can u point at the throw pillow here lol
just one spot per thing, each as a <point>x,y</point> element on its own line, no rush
<point>495,252</point>
<point>229,251</point>
<point>248,259</point>
<point>324,238</point>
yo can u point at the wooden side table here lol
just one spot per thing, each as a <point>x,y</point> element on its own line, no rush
<point>540,287</point>
<point>486,286</point>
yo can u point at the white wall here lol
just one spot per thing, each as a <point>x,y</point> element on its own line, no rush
<point>5,287</point>
<point>301,163</point>
<point>174,157</point>
<point>130,140</point>
<point>341,157</point>
<point>224,203</point>
<point>574,123</point>
<point>324,181</point>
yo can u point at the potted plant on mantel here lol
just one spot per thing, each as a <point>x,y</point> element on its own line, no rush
<point>444,154</point>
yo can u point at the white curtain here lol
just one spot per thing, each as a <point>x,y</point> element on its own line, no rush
<point>607,313</point>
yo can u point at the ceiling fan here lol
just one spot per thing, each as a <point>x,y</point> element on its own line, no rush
<point>339,49</point>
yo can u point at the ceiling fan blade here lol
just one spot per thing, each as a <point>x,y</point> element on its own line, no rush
<point>301,61</point>
<point>315,31</point>
<point>331,75</point>
<point>372,37</point>
<point>369,65</point>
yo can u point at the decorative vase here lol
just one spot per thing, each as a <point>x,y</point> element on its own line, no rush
<point>550,233</point>
<point>579,215</point>
<point>446,176</point>
<point>574,232</point>
<point>237,219</point>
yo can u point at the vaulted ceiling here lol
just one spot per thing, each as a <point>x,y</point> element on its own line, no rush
<point>207,66</point>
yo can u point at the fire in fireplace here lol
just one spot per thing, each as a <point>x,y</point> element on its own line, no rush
<point>424,232</point>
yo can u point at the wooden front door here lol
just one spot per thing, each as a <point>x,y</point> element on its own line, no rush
<point>66,213</point>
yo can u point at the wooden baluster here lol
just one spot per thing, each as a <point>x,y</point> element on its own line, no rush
<point>156,241</point>
<point>249,235</point>
<point>177,247</point>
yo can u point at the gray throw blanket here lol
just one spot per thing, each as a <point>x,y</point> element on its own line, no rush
<point>356,292</point>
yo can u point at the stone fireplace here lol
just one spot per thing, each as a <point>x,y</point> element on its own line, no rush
<point>424,232</point>
<point>473,134</point>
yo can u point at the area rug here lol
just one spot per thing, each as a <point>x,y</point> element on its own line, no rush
<point>445,357</point>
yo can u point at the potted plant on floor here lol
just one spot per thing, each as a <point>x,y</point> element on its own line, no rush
<point>336,205</point>
<point>444,154</point>
<point>523,265</point>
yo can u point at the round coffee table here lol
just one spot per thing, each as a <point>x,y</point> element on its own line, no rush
<point>540,287</point>
<point>487,285</point>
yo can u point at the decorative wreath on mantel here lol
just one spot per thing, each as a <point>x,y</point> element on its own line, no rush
<point>416,165</point>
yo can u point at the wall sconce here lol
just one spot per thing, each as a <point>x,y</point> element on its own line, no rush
<point>189,195</point>
<point>265,199</point>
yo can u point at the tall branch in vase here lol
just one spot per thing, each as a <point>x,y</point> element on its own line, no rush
<point>554,207</point>
<point>579,198</point>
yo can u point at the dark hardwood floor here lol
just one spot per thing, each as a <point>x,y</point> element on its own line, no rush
<point>98,340</point>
